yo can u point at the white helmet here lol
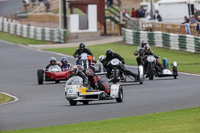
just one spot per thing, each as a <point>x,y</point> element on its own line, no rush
<point>101,57</point>
<point>73,69</point>
<point>52,59</point>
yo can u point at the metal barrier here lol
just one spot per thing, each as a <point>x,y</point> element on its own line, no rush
<point>49,34</point>
<point>162,39</point>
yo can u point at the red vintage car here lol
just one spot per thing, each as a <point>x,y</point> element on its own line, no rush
<point>54,73</point>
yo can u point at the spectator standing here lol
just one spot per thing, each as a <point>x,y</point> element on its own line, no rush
<point>110,2</point>
<point>186,20</point>
<point>133,13</point>
<point>193,19</point>
<point>25,3</point>
<point>47,5</point>
<point>143,12</point>
<point>137,13</point>
<point>159,18</point>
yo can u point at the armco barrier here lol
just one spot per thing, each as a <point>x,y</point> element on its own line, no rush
<point>161,39</point>
<point>49,34</point>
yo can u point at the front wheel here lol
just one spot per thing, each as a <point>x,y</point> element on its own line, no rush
<point>72,102</point>
<point>120,93</point>
<point>40,75</point>
<point>85,102</point>
<point>141,74</point>
<point>151,75</point>
<point>114,75</point>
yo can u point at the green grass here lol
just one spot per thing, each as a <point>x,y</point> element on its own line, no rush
<point>4,98</point>
<point>180,121</point>
<point>21,40</point>
<point>187,62</point>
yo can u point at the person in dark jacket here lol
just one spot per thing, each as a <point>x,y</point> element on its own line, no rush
<point>111,55</point>
<point>187,20</point>
<point>65,65</point>
<point>148,51</point>
<point>81,50</point>
<point>140,51</point>
<point>52,62</point>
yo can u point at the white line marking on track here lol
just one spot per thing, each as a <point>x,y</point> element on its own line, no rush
<point>14,97</point>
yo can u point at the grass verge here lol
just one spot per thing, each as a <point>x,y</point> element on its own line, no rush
<point>4,98</point>
<point>179,121</point>
<point>187,62</point>
<point>21,40</point>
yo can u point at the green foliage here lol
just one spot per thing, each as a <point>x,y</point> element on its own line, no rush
<point>180,121</point>
<point>5,98</point>
<point>21,40</point>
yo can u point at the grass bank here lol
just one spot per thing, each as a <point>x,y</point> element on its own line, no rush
<point>180,121</point>
<point>4,98</point>
<point>187,62</point>
<point>21,40</point>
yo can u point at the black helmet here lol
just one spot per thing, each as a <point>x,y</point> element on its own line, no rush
<point>109,52</point>
<point>81,45</point>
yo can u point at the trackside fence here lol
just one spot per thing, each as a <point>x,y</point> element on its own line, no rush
<point>49,34</point>
<point>162,39</point>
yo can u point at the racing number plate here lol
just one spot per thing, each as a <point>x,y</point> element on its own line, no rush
<point>70,91</point>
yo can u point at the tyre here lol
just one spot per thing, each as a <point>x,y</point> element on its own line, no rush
<point>175,72</point>
<point>120,93</point>
<point>85,102</point>
<point>141,74</point>
<point>57,81</point>
<point>151,75</point>
<point>114,75</point>
<point>40,75</point>
<point>72,102</point>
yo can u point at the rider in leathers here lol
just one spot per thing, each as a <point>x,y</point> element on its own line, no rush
<point>96,82</point>
<point>81,50</point>
<point>147,51</point>
<point>139,52</point>
<point>109,56</point>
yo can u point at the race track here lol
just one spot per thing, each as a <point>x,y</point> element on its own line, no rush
<point>45,105</point>
<point>9,6</point>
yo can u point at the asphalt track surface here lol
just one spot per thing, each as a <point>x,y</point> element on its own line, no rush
<point>45,105</point>
<point>9,6</point>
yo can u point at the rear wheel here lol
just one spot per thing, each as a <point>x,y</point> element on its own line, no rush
<point>175,72</point>
<point>40,75</point>
<point>151,72</point>
<point>72,102</point>
<point>120,93</point>
<point>57,81</point>
<point>85,102</point>
<point>140,75</point>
